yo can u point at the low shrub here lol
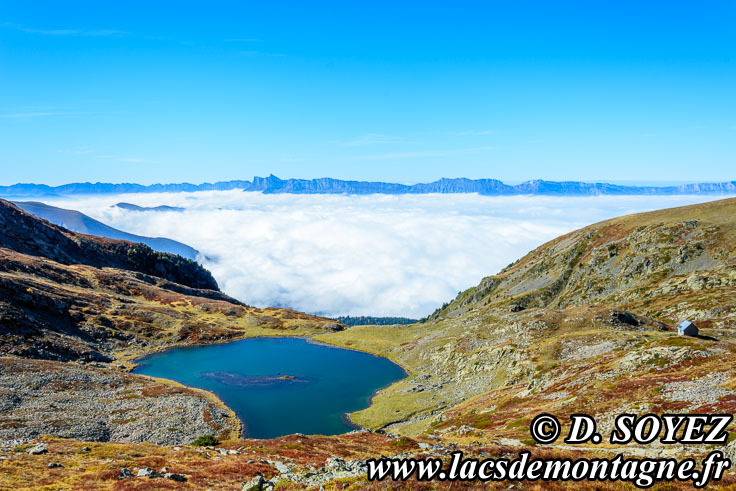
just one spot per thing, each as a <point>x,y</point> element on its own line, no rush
<point>206,441</point>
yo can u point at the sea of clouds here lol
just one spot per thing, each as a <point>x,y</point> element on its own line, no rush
<point>397,255</point>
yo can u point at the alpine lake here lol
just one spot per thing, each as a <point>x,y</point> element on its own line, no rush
<point>280,386</point>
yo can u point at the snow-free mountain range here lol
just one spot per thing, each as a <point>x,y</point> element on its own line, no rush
<point>274,185</point>
<point>585,323</point>
<point>83,224</point>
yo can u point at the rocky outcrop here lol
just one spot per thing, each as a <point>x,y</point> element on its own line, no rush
<point>90,306</point>
<point>99,404</point>
<point>335,468</point>
<point>584,323</point>
<point>83,224</point>
<point>67,296</point>
<point>669,255</point>
<point>27,234</point>
<point>478,372</point>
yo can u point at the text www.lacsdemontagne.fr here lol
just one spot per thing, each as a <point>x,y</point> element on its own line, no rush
<point>642,473</point>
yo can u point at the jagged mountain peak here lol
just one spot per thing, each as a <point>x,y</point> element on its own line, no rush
<point>327,185</point>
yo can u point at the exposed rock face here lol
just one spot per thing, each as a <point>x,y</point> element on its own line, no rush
<point>334,468</point>
<point>585,323</point>
<point>53,311</point>
<point>69,297</point>
<point>81,223</point>
<point>479,371</point>
<point>94,404</point>
<point>675,255</point>
<point>26,234</point>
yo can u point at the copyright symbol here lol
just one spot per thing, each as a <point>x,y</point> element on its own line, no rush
<point>545,428</point>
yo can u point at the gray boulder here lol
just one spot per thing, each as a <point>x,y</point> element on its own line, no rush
<point>38,449</point>
<point>255,484</point>
<point>149,473</point>
<point>335,464</point>
<point>175,477</point>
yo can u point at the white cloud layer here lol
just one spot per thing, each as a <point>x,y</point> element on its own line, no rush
<point>359,255</point>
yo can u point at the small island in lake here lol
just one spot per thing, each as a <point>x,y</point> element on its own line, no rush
<point>238,380</point>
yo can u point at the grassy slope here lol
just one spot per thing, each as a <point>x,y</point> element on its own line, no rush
<point>57,310</point>
<point>27,234</point>
<point>568,350</point>
<point>479,371</point>
<point>123,315</point>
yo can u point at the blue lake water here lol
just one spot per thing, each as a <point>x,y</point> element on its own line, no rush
<point>279,386</point>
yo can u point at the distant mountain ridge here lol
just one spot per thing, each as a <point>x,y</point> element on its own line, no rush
<point>83,224</point>
<point>162,208</point>
<point>274,185</point>
<point>27,234</point>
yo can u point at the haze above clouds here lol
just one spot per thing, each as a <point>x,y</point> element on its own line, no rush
<point>358,255</point>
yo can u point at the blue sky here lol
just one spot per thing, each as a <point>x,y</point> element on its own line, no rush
<point>206,91</point>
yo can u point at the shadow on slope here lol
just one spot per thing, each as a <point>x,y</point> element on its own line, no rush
<point>79,222</point>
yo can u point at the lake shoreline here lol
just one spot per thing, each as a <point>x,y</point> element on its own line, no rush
<point>369,400</point>
<point>141,364</point>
